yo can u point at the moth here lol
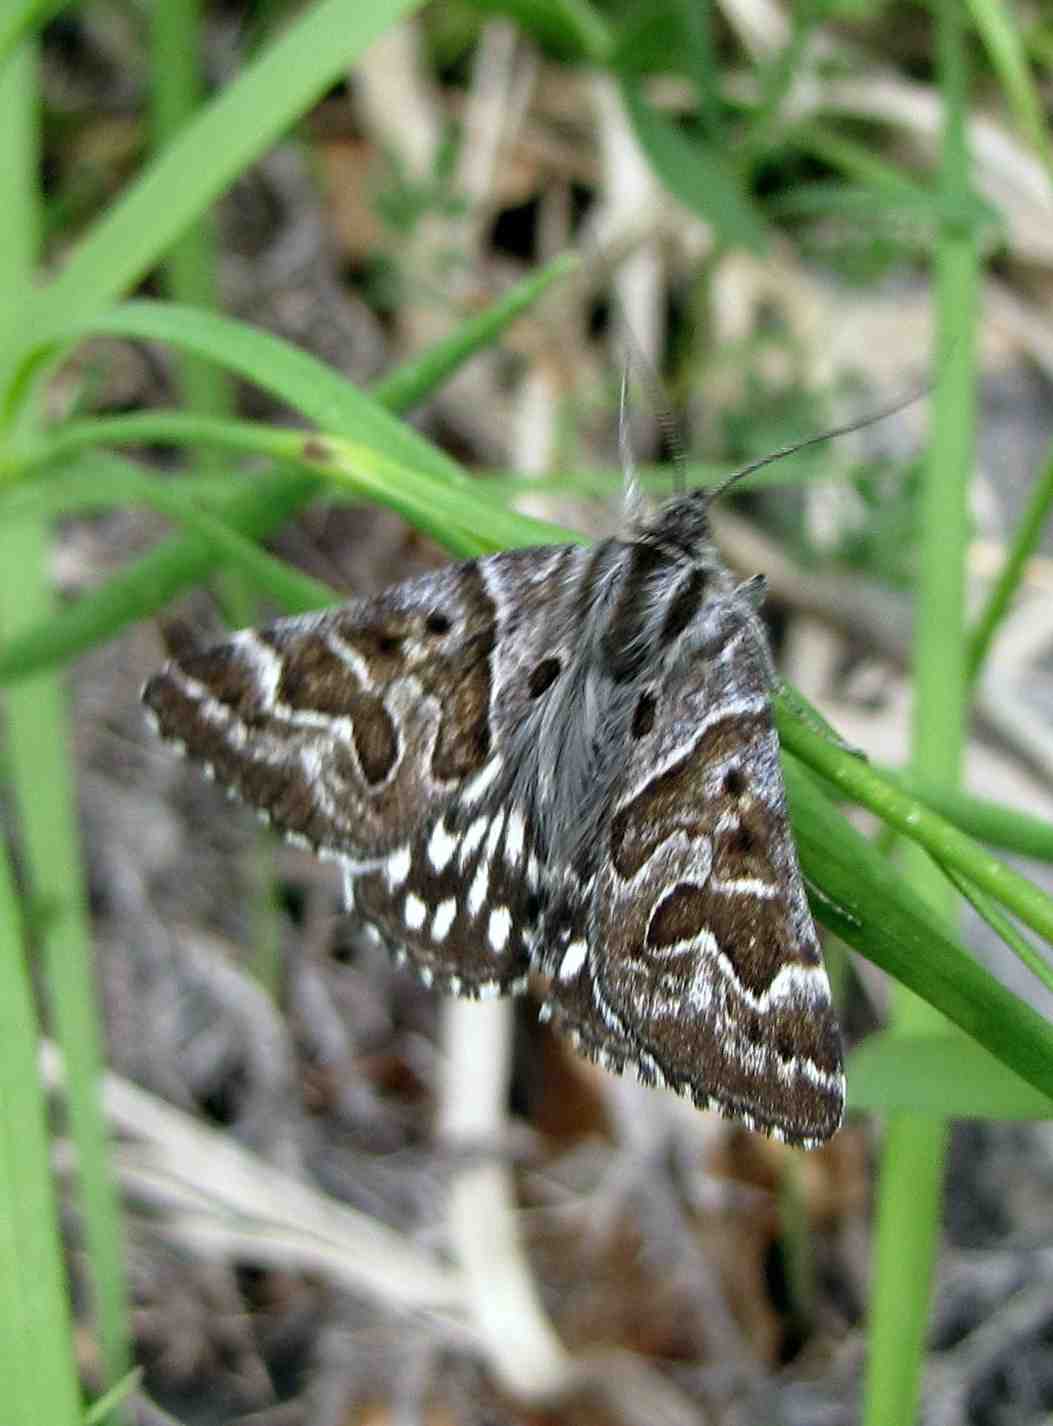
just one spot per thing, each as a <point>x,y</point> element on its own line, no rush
<point>557,760</point>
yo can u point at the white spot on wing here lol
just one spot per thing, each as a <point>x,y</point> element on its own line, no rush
<point>745,885</point>
<point>414,912</point>
<point>573,960</point>
<point>515,837</point>
<point>472,839</point>
<point>795,981</point>
<point>397,866</point>
<point>445,913</point>
<point>441,846</point>
<point>481,782</point>
<point>477,892</point>
<point>500,927</point>
<point>497,826</point>
<point>266,664</point>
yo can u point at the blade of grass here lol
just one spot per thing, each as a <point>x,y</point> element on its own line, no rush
<point>437,506</point>
<point>148,584</point>
<point>863,784</point>
<point>860,161</point>
<point>1025,543</point>
<point>20,17</point>
<point>292,591</point>
<point>1001,925</point>
<point>940,1075</point>
<point>700,62</point>
<point>431,506</point>
<point>38,1381</point>
<point>574,28</point>
<point>39,743</point>
<point>865,900</point>
<point>323,395</point>
<point>777,76</point>
<point>99,1411</point>
<point>696,173</point>
<point>911,1175</point>
<point>239,125</point>
<point>981,818</point>
<point>176,91</point>
<point>97,480</point>
<point>1005,47</point>
<point>422,375</point>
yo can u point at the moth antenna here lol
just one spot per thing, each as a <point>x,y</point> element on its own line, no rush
<point>636,359</point>
<point>900,404</point>
<point>632,492</point>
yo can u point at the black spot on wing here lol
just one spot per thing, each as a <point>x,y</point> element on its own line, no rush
<point>544,676</point>
<point>643,716</point>
<point>734,782</point>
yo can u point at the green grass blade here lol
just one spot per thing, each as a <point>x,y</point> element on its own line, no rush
<point>39,756</point>
<point>431,505</point>
<point>987,821</point>
<point>19,18</point>
<point>696,173</point>
<point>864,900</point>
<point>946,1076</point>
<point>152,581</point>
<point>176,92</point>
<point>438,506</point>
<point>239,125</point>
<point>861,783</point>
<point>1002,926</point>
<point>147,585</point>
<point>425,374</point>
<point>1025,543</point>
<point>574,28</point>
<point>912,1162</point>
<point>327,399</point>
<point>292,591</point>
<point>38,1380</point>
<point>101,1410</point>
<point>40,741</point>
<point>997,27</point>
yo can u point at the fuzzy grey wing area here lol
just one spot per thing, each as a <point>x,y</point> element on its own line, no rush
<point>702,964</point>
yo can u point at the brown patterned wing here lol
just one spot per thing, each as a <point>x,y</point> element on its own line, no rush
<point>701,965</point>
<point>372,734</point>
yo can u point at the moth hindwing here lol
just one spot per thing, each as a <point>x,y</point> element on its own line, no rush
<point>557,759</point>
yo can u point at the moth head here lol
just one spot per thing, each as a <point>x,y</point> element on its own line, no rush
<point>679,527</point>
